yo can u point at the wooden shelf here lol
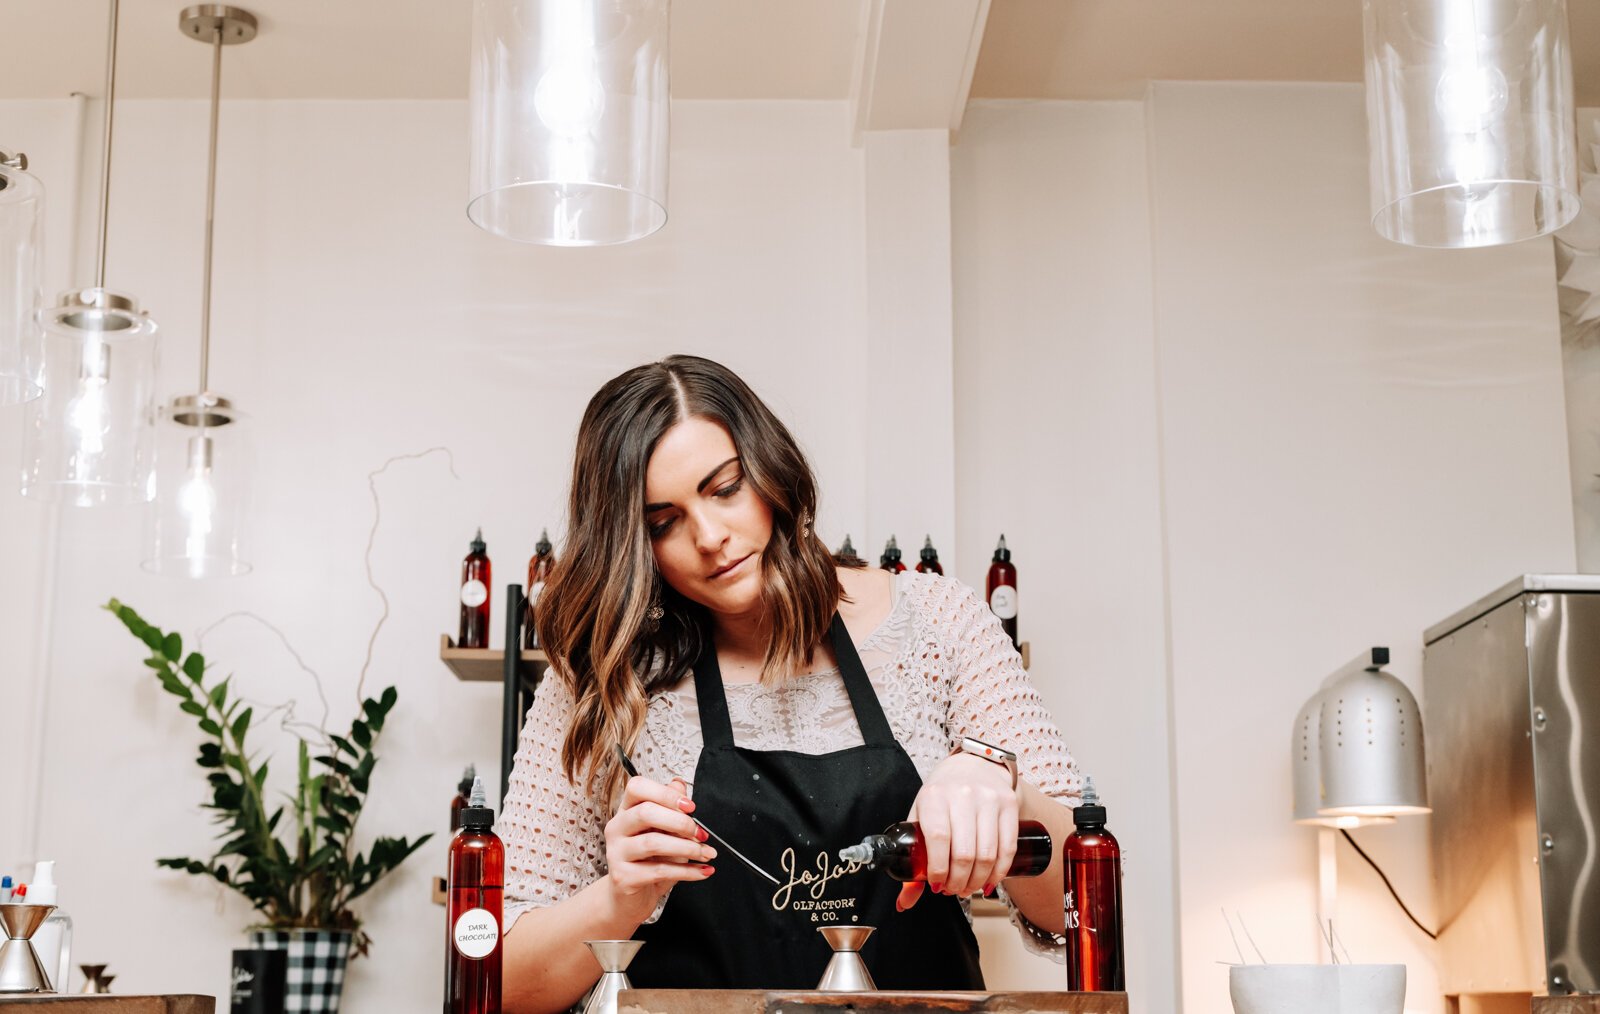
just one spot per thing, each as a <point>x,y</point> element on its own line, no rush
<point>1026,653</point>
<point>481,665</point>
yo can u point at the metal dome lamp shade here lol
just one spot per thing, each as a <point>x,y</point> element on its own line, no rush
<point>204,463</point>
<point>21,344</point>
<point>1470,120</point>
<point>569,113</point>
<point>89,439</point>
<point>1364,761</point>
<point>1306,753</point>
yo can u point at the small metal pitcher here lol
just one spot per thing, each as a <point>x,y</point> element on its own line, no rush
<point>846,972</point>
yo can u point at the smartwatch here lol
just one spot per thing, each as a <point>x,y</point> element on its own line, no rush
<point>1005,758</point>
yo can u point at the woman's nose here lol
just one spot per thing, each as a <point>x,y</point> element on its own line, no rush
<point>709,534</point>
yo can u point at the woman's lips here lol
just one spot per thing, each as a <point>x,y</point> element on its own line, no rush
<point>730,568</point>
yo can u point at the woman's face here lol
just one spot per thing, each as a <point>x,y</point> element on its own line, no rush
<point>706,524</point>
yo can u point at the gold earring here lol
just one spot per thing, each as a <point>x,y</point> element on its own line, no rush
<point>805,524</point>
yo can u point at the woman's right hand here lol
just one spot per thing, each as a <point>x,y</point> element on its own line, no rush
<point>652,844</point>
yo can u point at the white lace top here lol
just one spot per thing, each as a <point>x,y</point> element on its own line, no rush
<point>942,668</point>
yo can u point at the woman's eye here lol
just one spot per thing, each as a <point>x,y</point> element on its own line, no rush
<point>730,489</point>
<point>659,528</point>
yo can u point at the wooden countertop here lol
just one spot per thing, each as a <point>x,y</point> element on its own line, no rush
<point>115,1003</point>
<point>756,1001</point>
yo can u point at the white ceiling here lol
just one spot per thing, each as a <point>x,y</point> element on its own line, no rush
<point>725,49</point>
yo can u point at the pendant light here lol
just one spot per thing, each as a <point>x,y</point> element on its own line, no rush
<point>569,120</point>
<point>89,438</point>
<point>1470,120</point>
<point>204,465</point>
<point>21,345</point>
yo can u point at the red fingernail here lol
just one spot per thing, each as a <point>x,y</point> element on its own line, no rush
<point>898,907</point>
<point>935,888</point>
<point>707,870</point>
<point>700,833</point>
<point>686,804</point>
<point>988,890</point>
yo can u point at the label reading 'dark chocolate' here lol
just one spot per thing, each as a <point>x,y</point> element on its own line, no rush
<point>477,933</point>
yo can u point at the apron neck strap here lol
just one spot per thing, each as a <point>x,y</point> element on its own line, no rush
<point>716,729</point>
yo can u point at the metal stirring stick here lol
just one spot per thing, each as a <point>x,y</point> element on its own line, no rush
<point>627,765</point>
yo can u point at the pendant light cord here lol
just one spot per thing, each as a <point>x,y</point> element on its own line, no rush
<point>211,213</point>
<point>105,150</point>
<point>1393,893</point>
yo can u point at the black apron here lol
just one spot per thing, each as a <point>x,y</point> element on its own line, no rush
<point>791,813</point>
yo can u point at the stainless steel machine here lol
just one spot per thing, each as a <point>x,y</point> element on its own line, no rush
<point>1511,707</point>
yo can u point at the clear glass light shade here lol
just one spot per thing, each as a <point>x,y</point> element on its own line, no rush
<point>21,343</point>
<point>569,120</point>
<point>204,464</point>
<point>89,439</point>
<point>1470,120</point>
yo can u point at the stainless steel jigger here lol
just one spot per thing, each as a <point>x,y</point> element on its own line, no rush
<point>846,972</point>
<point>20,970</point>
<point>614,957</point>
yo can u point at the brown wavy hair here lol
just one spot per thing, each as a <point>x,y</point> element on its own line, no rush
<point>592,616</point>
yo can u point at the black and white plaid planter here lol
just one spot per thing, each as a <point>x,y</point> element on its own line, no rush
<point>315,969</point>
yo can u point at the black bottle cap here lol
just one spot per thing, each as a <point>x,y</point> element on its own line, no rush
<point>1001,553</point>
<point>478,545</point>
<point>543,547</point>
<point>929,554</point>
<point>477,818</point>
<point>891,551</point>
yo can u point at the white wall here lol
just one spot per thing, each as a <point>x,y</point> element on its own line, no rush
<point>1235,438</point>
<point>1057,448</point>
<point>1357,439</point>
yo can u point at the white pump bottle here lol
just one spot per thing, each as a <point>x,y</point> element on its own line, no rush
<point>52,941</point>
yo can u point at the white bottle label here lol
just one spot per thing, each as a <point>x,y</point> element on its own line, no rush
<point>474,594</point>
<point>477,933</point>
<point>1004,602</point>
<point>538,590</point>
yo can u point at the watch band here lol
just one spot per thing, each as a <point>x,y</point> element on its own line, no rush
<point>994,754</point>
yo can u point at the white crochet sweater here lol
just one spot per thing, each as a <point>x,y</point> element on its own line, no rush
<point>941,666</point>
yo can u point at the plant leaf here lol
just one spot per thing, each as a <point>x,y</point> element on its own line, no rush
<point>172,647</point>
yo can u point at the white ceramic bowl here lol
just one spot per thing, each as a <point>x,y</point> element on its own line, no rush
<point>1317,989</point>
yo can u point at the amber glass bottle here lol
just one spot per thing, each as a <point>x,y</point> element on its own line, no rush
<point>476,889</point>
<point>929,562</point>
<point>1001,590</point>
<point>1092,865</point>
<point>544,557</point>
<point>475,570</point>
<point>900,851</point>
<point>890,560</point>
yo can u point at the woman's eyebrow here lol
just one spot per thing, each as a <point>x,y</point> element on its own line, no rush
<point>651,508</point>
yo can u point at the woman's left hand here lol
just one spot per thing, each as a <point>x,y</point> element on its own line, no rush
<point>968,812</point>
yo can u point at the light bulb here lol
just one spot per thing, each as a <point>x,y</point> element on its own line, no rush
<point>197,500</point>
<point>86,416</point>
<point>570,99</point>
<point>87,420</point>
<point>1470,95</point>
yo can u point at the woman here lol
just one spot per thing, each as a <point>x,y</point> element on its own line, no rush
<point>696,623</point>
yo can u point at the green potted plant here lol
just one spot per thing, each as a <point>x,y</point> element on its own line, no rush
<point>297,864</point>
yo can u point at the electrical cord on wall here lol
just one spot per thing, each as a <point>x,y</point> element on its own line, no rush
<point>1395,894</point>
